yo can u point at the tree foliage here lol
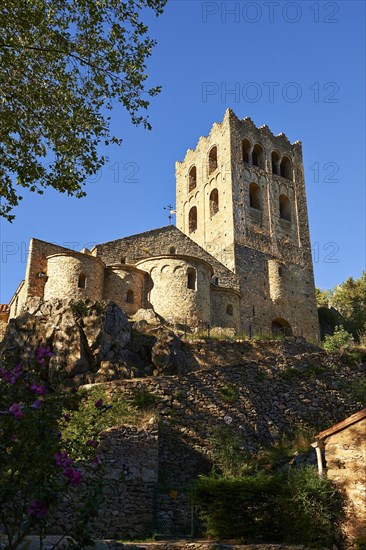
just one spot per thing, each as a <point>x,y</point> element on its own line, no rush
<point>349,300</point>
<point>322,297</point>
<point>63,64</point>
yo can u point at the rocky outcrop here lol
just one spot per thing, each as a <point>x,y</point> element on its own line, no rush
<point>85,337</point>
<point>167,355</point>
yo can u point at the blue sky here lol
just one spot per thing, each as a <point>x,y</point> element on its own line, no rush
<point>310,55</point>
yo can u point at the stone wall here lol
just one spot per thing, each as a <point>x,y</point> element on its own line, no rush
<point>126,508</point>
<point>37,263</point>
<point>159,242</point>
<point>18,300</point>
<point>278,393</point>
<point>270,294</point>
<point>126,286</point>
<point>274,395</point>
<point>3,323</point>
<point>225,308</point>
<point>173,295</point>
<point>345,454</point>
<point>64,271</point>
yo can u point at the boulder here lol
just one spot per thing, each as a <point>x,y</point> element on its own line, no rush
<point>167,355</point>
<point>145,317</point>
<point>83,335</point>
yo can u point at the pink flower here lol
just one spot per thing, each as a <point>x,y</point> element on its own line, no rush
<point>37,404</point>
<point>9,377</point>
<point>62,459</point>
<point>67,417</point>
<point>99,403</point>
<point>17,371</point>
<point>38,509</point>
<point>38,388</point>
<point>96,462</point>
<point>16,410</point>
<point>41,353</point>
<point>74,476</point>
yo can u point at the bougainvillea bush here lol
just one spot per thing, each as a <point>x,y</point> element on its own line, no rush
<point>41,459</point>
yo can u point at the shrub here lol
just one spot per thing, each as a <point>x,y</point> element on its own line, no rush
<point>240,508</point>
<point>311,508</point>
<point>340,340</point>
<point>39,465</point>
<point>294,506</point>
<point>228,454</point>
<point>357,389</point>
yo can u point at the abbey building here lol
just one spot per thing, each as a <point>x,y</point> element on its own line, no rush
<point>238,258</point>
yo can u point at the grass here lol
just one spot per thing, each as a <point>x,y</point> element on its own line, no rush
<point>354,356</point>
<point>229,393</point>
<point>144,400</point>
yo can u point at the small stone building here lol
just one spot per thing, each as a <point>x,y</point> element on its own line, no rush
<point>345,455</point>
<point>240,256</point>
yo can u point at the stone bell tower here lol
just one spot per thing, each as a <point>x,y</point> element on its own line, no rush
<point>241,197</point>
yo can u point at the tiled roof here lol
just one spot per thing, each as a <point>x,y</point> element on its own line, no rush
<point>341,425</point>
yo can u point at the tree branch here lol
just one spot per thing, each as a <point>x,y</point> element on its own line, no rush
<point>62,52</point>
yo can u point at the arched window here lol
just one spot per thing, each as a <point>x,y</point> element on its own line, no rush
<point>212,160</point>
<point>255,196</point>
<point>123,260</point>
<point>214,202</point>
<point>258,156</point>
<point>246,147</point>
<point>82,280</point>
<point>229,309</point>
<point>192,219</point>
<point>285,208</point>
<point>286,168</point>
<point>172,250</point>
<point>130,298</point>
<point>191,278</point>
<point>276,163</point>
<point>192,179</point>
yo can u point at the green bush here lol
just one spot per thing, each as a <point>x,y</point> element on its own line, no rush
<point>341,339</point>
<point>228,454</point>
<point>294,506</point>
<point>357,390</point>
<point>311,508</point>
<point>240,508</point>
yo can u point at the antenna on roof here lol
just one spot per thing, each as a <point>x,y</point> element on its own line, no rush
<point>171,210</point>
